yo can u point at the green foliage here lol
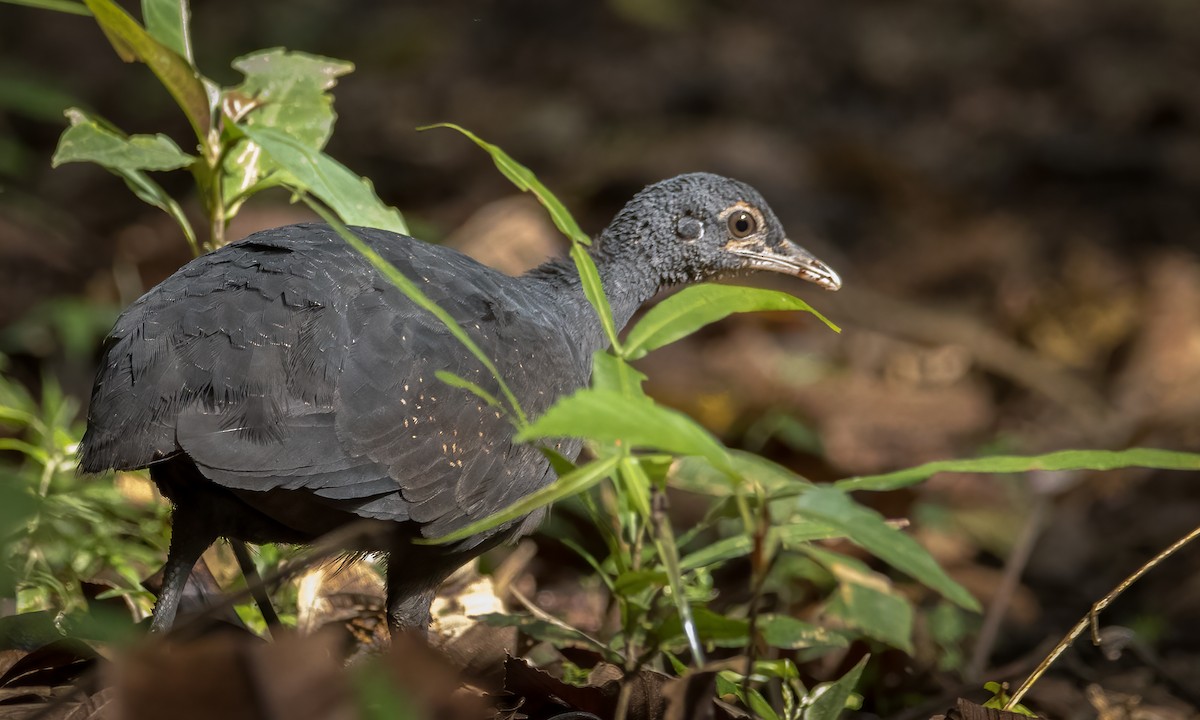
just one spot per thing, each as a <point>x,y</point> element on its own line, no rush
<point>270,130</point>
<point>59,529</point>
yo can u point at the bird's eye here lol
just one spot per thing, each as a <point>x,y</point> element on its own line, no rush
<point>741,224</point>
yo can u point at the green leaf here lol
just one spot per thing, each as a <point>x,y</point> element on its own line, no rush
<point>133,43</point>
<point>828,700</point>
<point>610,417</point>
<point>90,140</point>
<point>351,197</point>
<point>788,633</point>
<point>65,6</point>
<point>461,382</point>
<point>289,91</point>
<point>635,581</point>
<point>525,181</point>
<point>718,552</point>
<point>610,372</point>
<point>713,628</point>
<point>593,290</point>
<point>867,528</point>
<point>576,482</point>
<point>167,21</point>
<point>798,534</point>
<point>865,600</point>
<point>694,307</point>
<point>1062,460</point>
<point>697,475</point>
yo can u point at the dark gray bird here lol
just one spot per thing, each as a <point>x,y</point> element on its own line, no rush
<point>279,388</point>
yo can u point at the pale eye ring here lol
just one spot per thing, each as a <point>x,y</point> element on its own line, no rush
<point>742,224</point>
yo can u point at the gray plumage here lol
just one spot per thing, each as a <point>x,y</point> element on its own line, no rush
<point>280,388</point>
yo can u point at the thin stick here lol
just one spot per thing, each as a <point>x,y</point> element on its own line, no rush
<point>255,582</point>
<point>1013,569</point>
<point>1091,619</point>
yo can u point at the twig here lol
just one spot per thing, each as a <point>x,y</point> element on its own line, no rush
<point>546,617</point>
<point>1018,559</point>
<point>258,589</point>
<point>1092,618</point>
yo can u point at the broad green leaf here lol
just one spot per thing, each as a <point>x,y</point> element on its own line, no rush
<point>90,140</point>
<point>694,307</point>
<point>289,91</point>
<point>610,372</point>
<point>866,600</point>
<point>167,21</point>
<point>788,633</point>
<point>419,298</point>
<point>525,181</point>
<point>610,417</point>
<point>828,700</point>
<point>578,481</point>
<point>133,43</point>
<point>1062,460</point>
<point>867,528</point>
<point>350,196</point>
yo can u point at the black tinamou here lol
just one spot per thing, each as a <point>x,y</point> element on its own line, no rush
<point>279,388</point>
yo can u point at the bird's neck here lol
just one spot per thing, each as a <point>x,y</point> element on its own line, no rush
<point>628,281</point>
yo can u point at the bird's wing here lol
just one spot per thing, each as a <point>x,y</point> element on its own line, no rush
<point>250,332</point>
<point>285,363</point>
<point>451,452</point>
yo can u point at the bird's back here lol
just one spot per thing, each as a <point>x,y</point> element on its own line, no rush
<point>292,374</point>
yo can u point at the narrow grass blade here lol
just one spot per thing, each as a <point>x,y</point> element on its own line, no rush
<point>570,484</point>
<point>1062,460</point>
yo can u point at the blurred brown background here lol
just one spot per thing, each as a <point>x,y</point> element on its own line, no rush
<point>1010,189</point>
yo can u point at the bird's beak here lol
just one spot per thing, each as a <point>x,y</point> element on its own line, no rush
<point>790,259</point>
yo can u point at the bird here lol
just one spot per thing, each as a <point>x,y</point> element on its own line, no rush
<point>280,388</point>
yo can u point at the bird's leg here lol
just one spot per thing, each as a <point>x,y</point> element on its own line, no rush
<point>413,577</point>
<point>409,612</point>
<point>255,582</point>
<point>189,540</point>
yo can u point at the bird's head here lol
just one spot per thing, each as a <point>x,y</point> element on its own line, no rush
<point>701,226</point>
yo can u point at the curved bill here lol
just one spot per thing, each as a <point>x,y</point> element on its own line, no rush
<point>791,259</point>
